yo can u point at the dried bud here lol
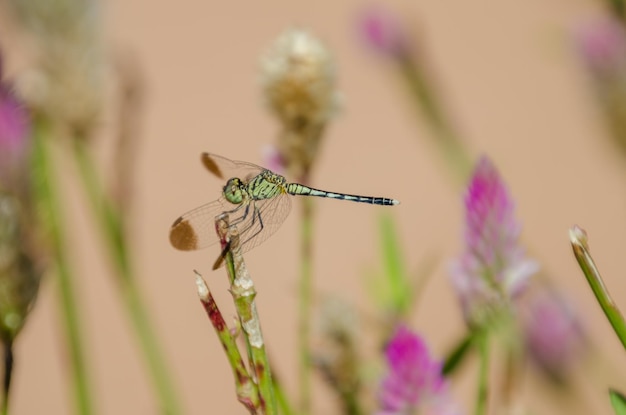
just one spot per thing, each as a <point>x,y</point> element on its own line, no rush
<point>67,82</point>
<point>19,277</point>
<point>298,80</point>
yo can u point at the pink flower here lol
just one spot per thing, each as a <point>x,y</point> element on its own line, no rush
<point>493,269</point>
<point>14,135</point>
<point>383,32</point>
<point>272,159</point>
<point>555,338</point>
<point>602,45</point>
<point>414,379</point>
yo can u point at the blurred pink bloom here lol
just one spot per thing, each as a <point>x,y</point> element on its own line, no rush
<point>493,269</point>
<point>602,45</point>
<point>383,32</point>
<point>554,335</point>
<point>414,380</point>
<point>14,133</point>
<point>272,159</point>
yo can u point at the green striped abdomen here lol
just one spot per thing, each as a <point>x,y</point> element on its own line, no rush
<point>301,190</point>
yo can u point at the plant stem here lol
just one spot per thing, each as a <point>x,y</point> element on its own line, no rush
<point>447,139</point>
<point>281,398</point>
<point>578,238</point>
<point>112,229</point>
<point>246,389</point>
<point>243,292</point>
<point>483,375</point>
<point>304,318</point>
<point>52,217</point>
<point>8,372</point>
<point>402,295</point>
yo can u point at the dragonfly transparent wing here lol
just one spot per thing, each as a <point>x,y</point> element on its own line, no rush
<point>263,220</point>
<point>255,222</point>
<point>226,169</point>
<point>196,228</point>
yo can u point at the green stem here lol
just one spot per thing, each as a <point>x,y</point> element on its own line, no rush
<point>306,292</point>
<point>112,229</point>
<point>449,142</point>
<point>160,375</point>
<point>52,217</point>
<point>246,389</point>
<point>109,220</point>
<point>8,372</point>
<point>483,375</point>
<point>281,398</point>
<point>578,239</point>
<point>351,403</point>
<point>244,293</point>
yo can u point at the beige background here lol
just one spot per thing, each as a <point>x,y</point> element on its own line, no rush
<point>511,79</point>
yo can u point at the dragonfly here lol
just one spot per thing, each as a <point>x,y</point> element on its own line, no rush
<point>255,199</point>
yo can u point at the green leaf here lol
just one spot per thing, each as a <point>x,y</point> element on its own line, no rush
<point>618,401</point>
<point>399,286</point>
<point>458,354</point>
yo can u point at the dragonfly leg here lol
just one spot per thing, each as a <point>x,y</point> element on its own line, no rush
<point>241,218</point>
<point>220,259</point>
<point>238,219</point>
<point>256,215</point>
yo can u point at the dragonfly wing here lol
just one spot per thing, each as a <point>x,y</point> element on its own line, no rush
<point>196,228</point>
<point>272,213</point>
<point>226,169</point>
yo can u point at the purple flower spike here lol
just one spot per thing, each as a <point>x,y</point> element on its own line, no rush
<point>14,134</point>
<point>383,32</point>
<point>493,269</point>
<point>414,379</point>
<point>555,337</point>
<point>602,46</point>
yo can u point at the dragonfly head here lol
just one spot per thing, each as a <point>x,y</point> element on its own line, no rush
<point>233,191</point>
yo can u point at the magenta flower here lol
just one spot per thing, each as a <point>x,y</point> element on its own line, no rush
<point>383,32</point>
<point>14,134</point>
<point>272,159</point>
<point>493,269</point>
<point>555,337</point>
<point>414,380</point>
<point>602,46</point>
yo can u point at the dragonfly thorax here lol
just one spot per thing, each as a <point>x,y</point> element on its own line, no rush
<point>233,191</point>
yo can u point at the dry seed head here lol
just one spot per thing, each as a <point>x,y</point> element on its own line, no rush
<point>67,82</point>
<point>298,78</point>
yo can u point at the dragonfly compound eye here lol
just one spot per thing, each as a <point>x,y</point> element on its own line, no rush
<point>233,192</point>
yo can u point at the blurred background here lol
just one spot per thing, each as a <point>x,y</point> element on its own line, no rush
<point>514,84</point>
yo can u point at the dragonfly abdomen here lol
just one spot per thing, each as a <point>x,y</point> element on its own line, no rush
<point>301,190</point>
